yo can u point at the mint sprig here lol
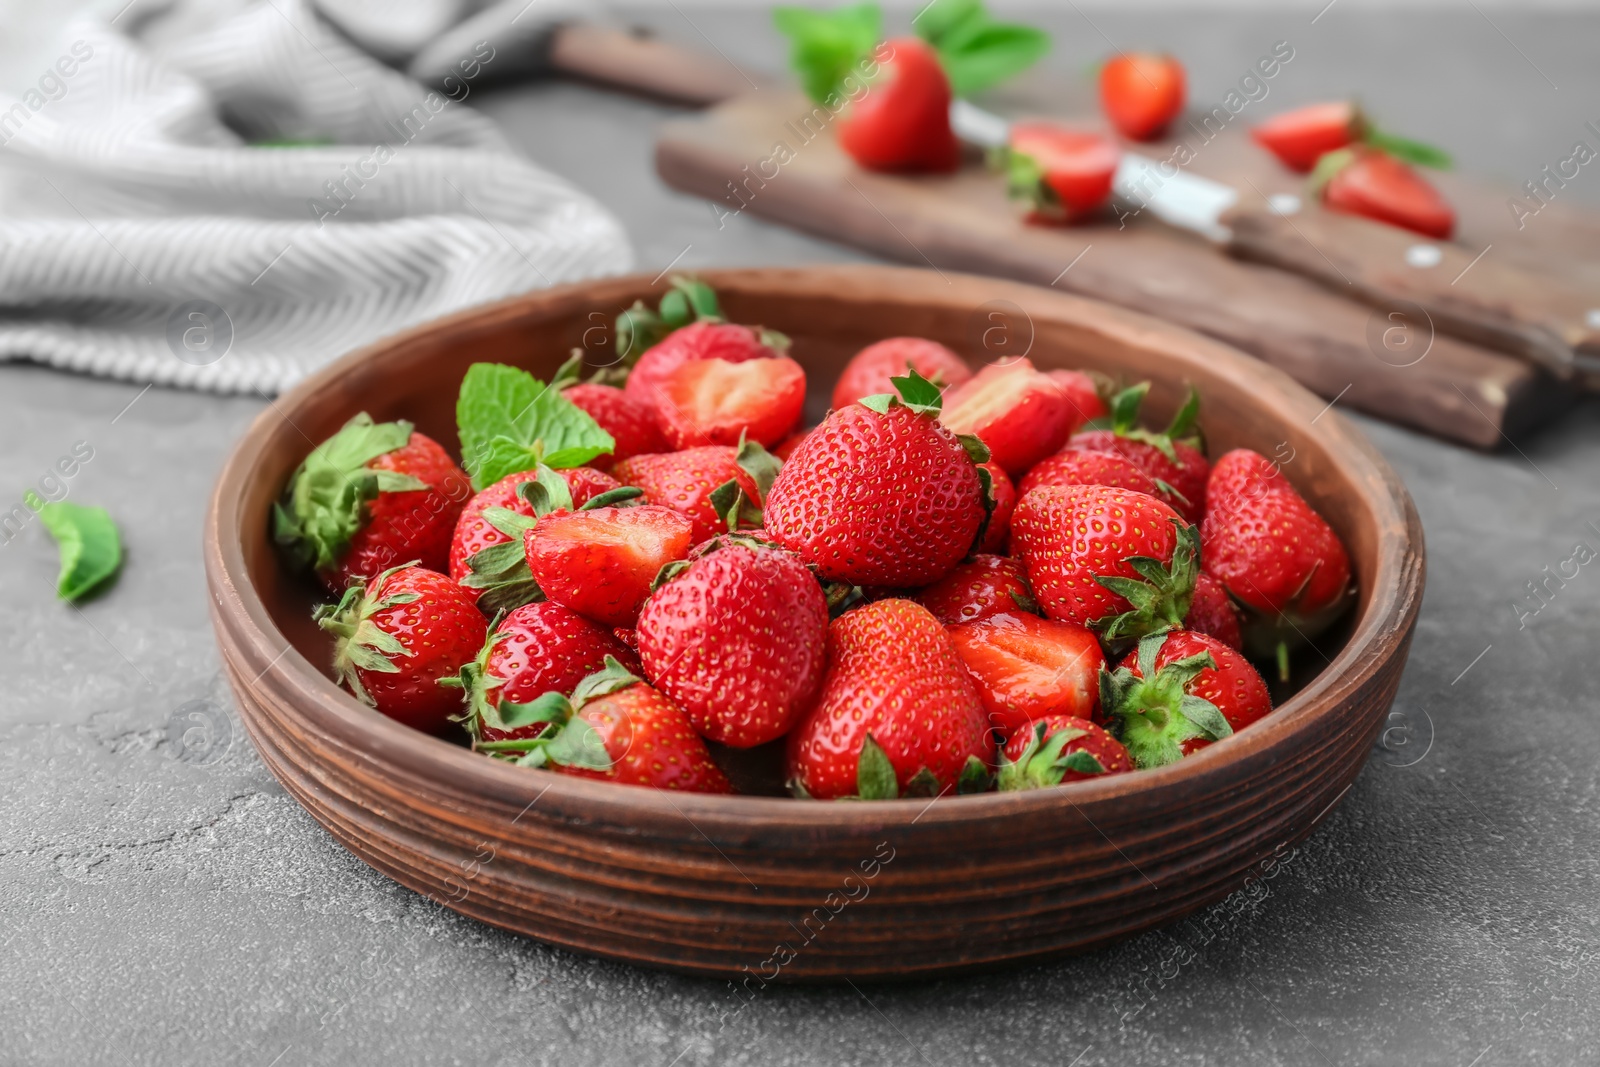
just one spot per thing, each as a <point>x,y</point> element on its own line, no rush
<point>826,46</point>
<point>509,421</point>
<point>976,51</point>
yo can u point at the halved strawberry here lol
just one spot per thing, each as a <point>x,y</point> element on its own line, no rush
<point>706,339</point>
<point>715,402</point>
<point>1174,457</point>
<point>984,585</point>
<point>1372,183</point>
<point>534,650</point>
<point>1028,668</point>
<point>1062,174</point>
<point>600,563</point>
<point>1019,413</point>
<point>615,728</point>
<point>869,370</point>
<point>1300,137</point>
<point>1177,693</point>
<point>1058,750</point>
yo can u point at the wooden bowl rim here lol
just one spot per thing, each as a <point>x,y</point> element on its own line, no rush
<point>355,728</point>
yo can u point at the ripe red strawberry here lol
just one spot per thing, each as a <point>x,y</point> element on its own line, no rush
<point>1141,93</point>
<point>697,483</point>
<point>869,370</point>
<point>902,123</point>
<point>1211,612</point>
<point>1301,137</point>
<point>600,563</point>
<point>1120,562</point>
<point>1177,693</point>
<point>399,641</point>
<point>616,728</point>
<point>1375,184</point>
<point>706,339</point>
<point>880,493</point>
<point>998,530</point>
<point>1058,750</point>
<point>738,639</point>
<point>1062,174</point>
<point>1083,392</point>
<point>984,585</point>
<point>1021,414</point>
<point>897,715</point>
<point>1273,554</point>
<point>534,650</point>
<point>1075,465</point>
<point>371,497</point>
<point>629,421</point>
<point>1028,668</point>
<point>715,402</point>
<point>1174,457</point>
<point>486,554</point>
<point>787,446</point>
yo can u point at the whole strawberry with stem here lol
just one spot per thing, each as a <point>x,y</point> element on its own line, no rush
<point>535,649</point>
<point>1274,555</point>
<point>871,370</point>
<point>1174,457</point>
<point>706,484</point>
<point>881,493</point>
<point>1119,562</point>
<point>486,553</point>
<point>369,498</point>
<point>1057,750</point>
<point>897,715</point>
<point>616,728</point>
<point>400,640</point>
<point>1179,692</point>
<point>738,638</point>
<point>977,588</point>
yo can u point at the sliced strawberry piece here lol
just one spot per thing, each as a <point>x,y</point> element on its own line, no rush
<point>1061,173</point>
<point>715,402</point>
<point>1021,414</point>
<point>1028,668</point>
<point>600,563</point>
<point>1378,186</point>
<point>1300,137</point>
<point>1004,494</point>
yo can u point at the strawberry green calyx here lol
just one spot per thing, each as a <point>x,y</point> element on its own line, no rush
<point>570,742</point>
<point>500,573</point>
<point>1124,421</point>
<point>1041,763</point>
<point>639,328</point>
<point>876,778</point>
<point>912,391</point>
<point>325,502</point>
<point>729,500</point>
<point>1160,597</point>
<point>359,643</point>
<point>1025,182</point>
<point>1152,715</point>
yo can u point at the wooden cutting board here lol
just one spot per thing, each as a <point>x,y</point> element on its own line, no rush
<point>754,154</point>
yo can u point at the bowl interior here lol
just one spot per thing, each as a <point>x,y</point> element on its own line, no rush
<point>829,314</point>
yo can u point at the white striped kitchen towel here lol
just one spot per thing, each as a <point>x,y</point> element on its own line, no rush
<point>147,233</point>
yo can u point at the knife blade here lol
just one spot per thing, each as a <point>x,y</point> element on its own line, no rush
<point>1538,315</point>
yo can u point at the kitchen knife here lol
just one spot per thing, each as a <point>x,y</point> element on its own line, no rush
<point>1537,315</point>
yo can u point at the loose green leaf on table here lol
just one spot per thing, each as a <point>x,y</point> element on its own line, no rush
<point>91,548</point>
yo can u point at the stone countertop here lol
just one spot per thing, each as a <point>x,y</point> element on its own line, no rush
<point>163,901</point>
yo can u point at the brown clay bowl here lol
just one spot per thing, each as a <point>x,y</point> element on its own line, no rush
<point>760,888</point>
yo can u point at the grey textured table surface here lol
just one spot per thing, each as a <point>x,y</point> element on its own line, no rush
<point>163,901</point>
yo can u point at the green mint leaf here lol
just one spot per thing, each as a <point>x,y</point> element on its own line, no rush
<point>91,548</point>
<point>875,777</point>
<point>1408,151</point>
<point>936,22</point>
<point>826,46</point>
<point>987,55</point>
<point>509,421</point>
